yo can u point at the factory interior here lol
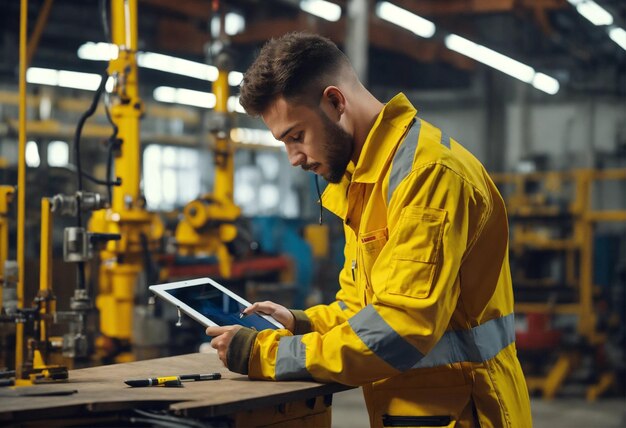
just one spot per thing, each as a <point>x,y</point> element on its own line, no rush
<point>127,161</point>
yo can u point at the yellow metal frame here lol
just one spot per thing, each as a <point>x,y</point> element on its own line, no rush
<point>577,275</point>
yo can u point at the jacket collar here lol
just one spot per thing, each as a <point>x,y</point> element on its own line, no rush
<point>389,127</point>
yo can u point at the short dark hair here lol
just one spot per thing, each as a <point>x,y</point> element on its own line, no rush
<point>297,66</point>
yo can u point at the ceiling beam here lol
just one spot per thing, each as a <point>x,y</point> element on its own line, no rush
<point>457,7</point>
<point>198,9</point>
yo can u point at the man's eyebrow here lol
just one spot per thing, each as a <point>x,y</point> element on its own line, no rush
<point>285,133</point>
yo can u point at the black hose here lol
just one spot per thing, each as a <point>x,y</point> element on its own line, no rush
<point>80,271</point>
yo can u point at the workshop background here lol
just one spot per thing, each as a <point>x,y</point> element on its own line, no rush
<point>155,174</point>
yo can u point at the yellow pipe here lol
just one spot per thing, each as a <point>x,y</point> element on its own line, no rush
<point>127,113</point>
<point>45,266</point>
<point>223,188</point>
<point>21,190</point>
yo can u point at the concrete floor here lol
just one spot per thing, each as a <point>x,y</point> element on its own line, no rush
<point>349,412</point>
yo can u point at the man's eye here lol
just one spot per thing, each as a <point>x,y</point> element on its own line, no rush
<point>297,138</point>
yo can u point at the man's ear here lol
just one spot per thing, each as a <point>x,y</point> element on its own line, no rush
<point>335,100</point>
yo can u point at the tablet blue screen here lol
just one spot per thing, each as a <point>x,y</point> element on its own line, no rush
<point>218,307</point>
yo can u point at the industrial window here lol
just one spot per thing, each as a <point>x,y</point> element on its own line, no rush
<point>32,154</point>
<point>58,153</point>
<point>171,176</point>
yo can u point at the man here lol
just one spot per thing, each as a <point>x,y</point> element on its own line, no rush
<point>424,317</point>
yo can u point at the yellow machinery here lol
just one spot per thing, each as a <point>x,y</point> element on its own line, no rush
<point>6,195</point>
<point>37,366</point>
<point>553,212</point>
<point>208,222</point>
<point>121,261</point>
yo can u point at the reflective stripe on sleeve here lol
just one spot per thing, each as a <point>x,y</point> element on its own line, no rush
<point>478,344</point>
<point>342,305</point>
<point>475,345</point>
<point>291,359</point>
<point>383,340</point>
<point>403,159</point>
<point>445,139</point>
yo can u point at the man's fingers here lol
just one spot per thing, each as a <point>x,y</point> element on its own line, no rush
<point>216,331</point>
<point>266,307</point>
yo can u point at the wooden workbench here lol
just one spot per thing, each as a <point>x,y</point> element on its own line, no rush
<point>234,400</point>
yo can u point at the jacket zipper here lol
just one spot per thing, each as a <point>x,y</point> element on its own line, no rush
<point>416,421</point>
<point>354,270</point>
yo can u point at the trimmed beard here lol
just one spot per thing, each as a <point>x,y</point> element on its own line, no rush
<point>338,146</point>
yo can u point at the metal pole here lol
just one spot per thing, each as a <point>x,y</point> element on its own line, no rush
<point>21,189</point>
<point>357,36</point>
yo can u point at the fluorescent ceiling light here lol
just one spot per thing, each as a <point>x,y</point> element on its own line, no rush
<point>405,19</point>
<point>64,78</point>
<point>167,94</point>
<point>175,65</point>
<point>545,83</point>
<point>234,24</point>
<point>42,76</point>
<point>490,57</point>
<point>188,97</point>
<point>618,35</point>
<point>166,63</point>
<point>234,105</point>
<point>98,51</point>
<point>502,63</point>
<point>77,80</point>
<point>324,9</point>
<point>591,10</point>
<point>235,78</point>
<point>254,136</point>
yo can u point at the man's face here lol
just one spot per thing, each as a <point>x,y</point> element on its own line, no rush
<point>313,141</point>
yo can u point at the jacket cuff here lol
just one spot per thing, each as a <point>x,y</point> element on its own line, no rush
<point>302,323</point>
<point>239,350</point>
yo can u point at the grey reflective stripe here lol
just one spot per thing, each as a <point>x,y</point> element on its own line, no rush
<point>445,139</point>
<point>475,345</point>
<point>403,159</point>
<point>291,359</point>
<point>383,340</point>
<point>342,305</point>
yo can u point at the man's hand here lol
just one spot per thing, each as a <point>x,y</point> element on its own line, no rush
<point>276,311</point>
<point>222,336</point>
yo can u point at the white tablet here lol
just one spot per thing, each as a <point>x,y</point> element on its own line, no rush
<point>211,304</point>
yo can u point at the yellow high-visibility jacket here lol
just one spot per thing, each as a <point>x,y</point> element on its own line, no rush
<point>424,317</point>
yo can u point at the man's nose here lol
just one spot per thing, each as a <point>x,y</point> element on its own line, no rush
<point>296,157</point>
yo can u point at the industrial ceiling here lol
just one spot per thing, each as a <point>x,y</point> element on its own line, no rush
<point>548,35</point>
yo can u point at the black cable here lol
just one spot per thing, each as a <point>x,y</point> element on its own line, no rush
<point>117,182</point>
<point>319,195</point>
<point>80,271</point>
<point>102,4</point>
<point>79,130</point>
<point>112,145</point>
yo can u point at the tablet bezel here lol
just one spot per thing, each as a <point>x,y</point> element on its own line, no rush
<point>161,290</point>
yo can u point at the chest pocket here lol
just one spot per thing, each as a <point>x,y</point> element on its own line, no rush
<point>370,245</point>
<point>417,252</point>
